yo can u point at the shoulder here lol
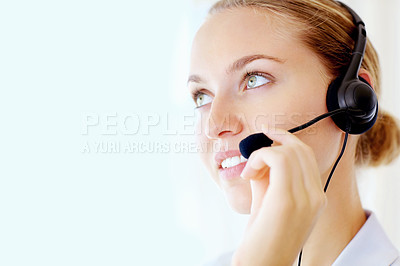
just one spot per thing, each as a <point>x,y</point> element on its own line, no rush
<point>370,246</point>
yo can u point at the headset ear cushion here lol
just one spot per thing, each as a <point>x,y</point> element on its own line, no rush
<point>332,103</point>
<point>361,128</point>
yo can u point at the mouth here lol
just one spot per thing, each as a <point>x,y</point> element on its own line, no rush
<point>229,159</point>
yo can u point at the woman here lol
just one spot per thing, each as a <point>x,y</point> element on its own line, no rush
<point>266,65</point>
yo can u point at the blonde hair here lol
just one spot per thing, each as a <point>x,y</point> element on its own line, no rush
<point>327,28</point>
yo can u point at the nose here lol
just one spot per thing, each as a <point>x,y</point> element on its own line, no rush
<point>224,119</point>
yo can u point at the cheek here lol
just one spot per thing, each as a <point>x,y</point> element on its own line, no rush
<point>297,108</point>
<point>323,137</point>
<point>326,140</point>
<point>205,150</point>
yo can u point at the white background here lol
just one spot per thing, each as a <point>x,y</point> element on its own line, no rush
<point>65,65</point>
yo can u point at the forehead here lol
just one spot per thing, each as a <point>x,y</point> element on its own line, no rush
<point>233,33</point>
<point>244,18</point>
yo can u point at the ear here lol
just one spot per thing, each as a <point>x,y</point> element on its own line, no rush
<point>367,76</point>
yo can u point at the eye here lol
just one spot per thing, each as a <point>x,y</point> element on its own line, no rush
<point>256,80</point>
<point>201,99</point>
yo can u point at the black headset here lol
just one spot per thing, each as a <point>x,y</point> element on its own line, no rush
<point>352,103</point>
<point>353,92</point>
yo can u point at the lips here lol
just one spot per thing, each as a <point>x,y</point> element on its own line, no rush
<point>221,156</point>
<point>230,164</point>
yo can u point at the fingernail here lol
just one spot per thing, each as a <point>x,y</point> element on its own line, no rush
<point>243,175</point>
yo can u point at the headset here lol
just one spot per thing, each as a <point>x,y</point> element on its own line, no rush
<point>353,92</point>
<point>351,102</point>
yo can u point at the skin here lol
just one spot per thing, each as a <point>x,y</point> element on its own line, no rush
<point>281,186</point>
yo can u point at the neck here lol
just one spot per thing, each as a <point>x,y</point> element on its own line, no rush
<point>340,221</point>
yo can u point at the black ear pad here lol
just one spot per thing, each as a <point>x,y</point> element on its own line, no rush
<point>359,97</point>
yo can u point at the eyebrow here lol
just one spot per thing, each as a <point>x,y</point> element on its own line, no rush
<point>239,64</point>
<point>242,62</point>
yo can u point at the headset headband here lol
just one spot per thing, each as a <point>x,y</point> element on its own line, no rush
<point>359,46</point>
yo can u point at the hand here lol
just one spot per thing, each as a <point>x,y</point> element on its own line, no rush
<point>287,199</point>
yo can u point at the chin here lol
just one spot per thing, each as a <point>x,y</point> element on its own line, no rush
<point>239,198</point>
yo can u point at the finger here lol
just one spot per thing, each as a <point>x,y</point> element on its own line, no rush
<point>284,167</point>
<point>293,172</point>
<point>255,167</point>
<point>258,189</point>
<point>249,172</point>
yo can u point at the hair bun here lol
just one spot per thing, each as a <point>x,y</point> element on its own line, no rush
<point>381,144</point>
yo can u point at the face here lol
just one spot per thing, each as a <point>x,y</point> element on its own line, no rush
<point>247,69</point>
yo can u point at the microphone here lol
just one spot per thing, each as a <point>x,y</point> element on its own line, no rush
<point>258,140</point>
